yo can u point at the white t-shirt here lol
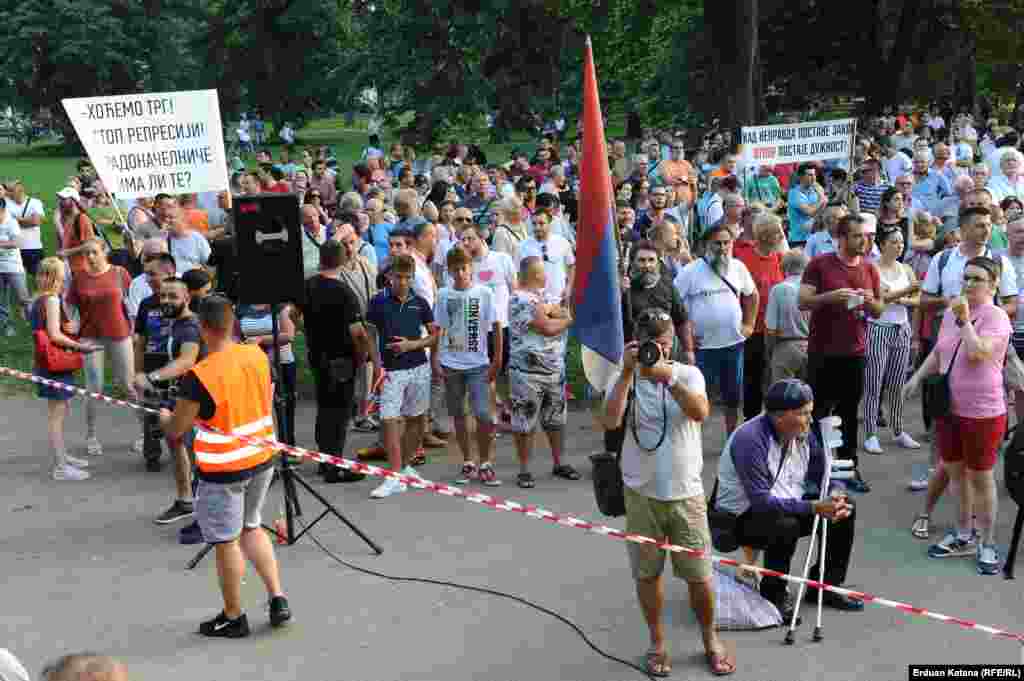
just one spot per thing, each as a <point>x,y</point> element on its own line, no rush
<point>497,272</point>
<point>710,303</point>
<point>10,258</point>
<point>423,283</point>
<point>953,275</point>
<point>31,237</point>
<point>558,257</point>
<point>138,291</point>
<point>466,317</point>
<point>899,164</point>
<point>673,471</point>
<point>189,251</point>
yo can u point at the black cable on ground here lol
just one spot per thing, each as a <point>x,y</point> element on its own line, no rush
<point>479,589</point>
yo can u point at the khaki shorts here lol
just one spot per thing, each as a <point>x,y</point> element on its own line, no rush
<point>683,522</point>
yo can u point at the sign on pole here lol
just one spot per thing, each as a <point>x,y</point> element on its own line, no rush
<point>797,142</point>
<point>147,144</point>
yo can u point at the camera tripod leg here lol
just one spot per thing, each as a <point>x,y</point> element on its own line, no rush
<point>328,509</point>
<point>1011,552</point>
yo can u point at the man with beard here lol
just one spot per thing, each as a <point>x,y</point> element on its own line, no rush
<point>841,289</point>
<point>722,301</point>
<point>647,288</point>
<point>167,346</point>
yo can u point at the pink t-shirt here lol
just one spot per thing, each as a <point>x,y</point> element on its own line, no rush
<point>976,387</point>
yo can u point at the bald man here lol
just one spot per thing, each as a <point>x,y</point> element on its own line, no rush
<point>84,667</point>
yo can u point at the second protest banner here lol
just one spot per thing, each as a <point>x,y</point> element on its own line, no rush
<point>797,142</point>
<point>147,144</point>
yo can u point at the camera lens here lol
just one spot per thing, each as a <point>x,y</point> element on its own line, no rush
<point>648,353</point>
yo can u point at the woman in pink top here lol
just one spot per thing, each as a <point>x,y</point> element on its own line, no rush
<point>973,337</point>
<point>99,292</point>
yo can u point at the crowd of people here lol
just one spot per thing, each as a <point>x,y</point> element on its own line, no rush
<point>776,295</point>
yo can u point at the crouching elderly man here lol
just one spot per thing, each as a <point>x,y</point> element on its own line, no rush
<point>761,478</point>
<point>662,460</point>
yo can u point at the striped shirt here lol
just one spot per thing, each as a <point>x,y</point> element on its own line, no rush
<point>870,195</point>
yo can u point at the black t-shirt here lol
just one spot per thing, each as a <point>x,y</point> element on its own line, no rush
<point>328,310</point>
<point>164,337</point>
<point>662,295</point>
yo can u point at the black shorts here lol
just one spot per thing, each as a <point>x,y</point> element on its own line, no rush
<point>503,367</point>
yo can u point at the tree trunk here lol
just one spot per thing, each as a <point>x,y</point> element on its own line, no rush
<point>885,81</point>
<point>1018,109</point>
<point>733,26</point>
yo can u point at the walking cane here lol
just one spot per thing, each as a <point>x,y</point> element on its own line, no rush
<point>834,470</point>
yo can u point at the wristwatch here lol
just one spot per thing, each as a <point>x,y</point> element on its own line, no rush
<point>151,377</point>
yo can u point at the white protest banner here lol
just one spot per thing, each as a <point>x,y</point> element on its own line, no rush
<point>145,144</point>
<point>797,142</point>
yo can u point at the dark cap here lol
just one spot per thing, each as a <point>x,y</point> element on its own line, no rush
<point>786,394</point>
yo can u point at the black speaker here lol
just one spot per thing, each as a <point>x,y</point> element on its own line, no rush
<point>268,247</point>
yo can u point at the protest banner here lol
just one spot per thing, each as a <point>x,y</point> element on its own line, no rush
<point>152,143</point>
<point>797,142</point>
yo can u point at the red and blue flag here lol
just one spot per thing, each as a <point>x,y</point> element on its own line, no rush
<point>596,294</point>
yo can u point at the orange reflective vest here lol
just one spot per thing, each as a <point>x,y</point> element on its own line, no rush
<point>238,380</point>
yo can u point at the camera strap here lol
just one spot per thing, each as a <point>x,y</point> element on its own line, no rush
<point>634,420</point>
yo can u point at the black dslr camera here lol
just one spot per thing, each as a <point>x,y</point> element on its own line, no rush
<point>649,353</point>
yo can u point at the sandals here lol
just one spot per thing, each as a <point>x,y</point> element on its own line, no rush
<point>525,480</point>
<point>418,459</point>
<point>565,471</point>
<point>920,528</point>
<point>721,664</point>
<point>657,664</point>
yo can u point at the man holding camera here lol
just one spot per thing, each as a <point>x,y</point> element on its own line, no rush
<point>167,346</point>
<point>761,478</point>
<point>661,472</point>
<point>646,287</point>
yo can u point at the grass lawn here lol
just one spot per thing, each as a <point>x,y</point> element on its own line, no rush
<point>44,174</point>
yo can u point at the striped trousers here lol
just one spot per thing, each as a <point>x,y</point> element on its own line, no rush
<point>885,373</point>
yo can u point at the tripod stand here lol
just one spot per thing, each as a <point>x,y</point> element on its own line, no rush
<point>289,477</point>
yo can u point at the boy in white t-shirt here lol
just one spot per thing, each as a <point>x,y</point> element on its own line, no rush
<point>465,313</point>
<point>29,213</point>
<point>12,272</point>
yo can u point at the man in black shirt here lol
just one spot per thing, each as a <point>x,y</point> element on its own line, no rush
<point>646,288</point>
<point>168,343</point>
<point>337,343</point>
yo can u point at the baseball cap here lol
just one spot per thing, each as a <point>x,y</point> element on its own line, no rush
<point>787,394</point>
<point>68,193</point>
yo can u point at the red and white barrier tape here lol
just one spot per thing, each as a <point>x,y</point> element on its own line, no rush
<point>541,513</point>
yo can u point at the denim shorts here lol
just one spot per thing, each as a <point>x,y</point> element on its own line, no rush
<point>723,367</point>
<point>459,382</point>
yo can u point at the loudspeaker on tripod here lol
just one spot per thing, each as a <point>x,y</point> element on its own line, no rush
<point>268,243</point>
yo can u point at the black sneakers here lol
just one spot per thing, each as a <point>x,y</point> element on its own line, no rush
<point>280,613</point>
<point>222,627</point>
<point>179,510</point>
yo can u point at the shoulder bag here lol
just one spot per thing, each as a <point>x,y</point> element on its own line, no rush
<point>50,356</point>
<point>938,399</point>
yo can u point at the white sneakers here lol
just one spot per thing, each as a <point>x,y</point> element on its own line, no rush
<point>68,472</point>
<point>139,445</point>
<point>76,462</point>
<point>904,440</point>
<point>872,446</point>
<point>391,486</point>
<point>387,488</point>
<point>93,447</point>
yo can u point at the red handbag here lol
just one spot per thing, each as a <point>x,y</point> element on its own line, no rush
<point>52,357</point>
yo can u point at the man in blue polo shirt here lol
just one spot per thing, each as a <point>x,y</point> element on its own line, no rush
<point>397,319</point>
<point>804,200</point>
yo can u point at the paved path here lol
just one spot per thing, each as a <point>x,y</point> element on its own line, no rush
<point>84,567</point>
